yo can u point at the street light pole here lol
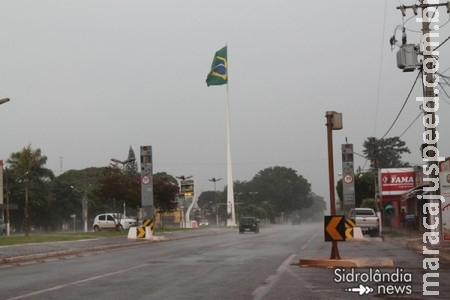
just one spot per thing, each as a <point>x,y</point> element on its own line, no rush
<point>237,203</point>
<point>215,198</point>
<point>123,163</point>
<point>253,194</point>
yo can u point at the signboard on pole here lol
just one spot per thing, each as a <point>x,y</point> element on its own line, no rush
<point>147,182</point>
<point>348,176</point>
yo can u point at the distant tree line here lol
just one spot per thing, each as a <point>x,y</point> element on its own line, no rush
<point>272,192</point>
<point>42,201</point>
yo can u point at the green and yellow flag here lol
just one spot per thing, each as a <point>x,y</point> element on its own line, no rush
<point>219,69</point>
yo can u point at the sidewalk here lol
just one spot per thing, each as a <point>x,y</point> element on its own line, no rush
<point>413,239</point>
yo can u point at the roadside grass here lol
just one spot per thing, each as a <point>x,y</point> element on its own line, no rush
<point>45,237</point>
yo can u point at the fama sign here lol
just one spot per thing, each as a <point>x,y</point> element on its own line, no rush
<point>396,181</point>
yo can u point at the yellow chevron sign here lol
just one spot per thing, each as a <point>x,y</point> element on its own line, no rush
<point>349,225</point>
<point>148,223</point>
<point>140,232</point>
<point>334,228</point>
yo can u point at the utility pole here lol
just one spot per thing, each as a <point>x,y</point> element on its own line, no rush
<point>334,122</point>
<point>430,97</point>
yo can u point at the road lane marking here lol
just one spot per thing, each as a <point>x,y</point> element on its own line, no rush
<point>270,281</point>
<point>61,286</point>
<point>303,248</point>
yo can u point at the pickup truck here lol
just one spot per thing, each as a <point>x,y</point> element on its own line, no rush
<point>366,219</point>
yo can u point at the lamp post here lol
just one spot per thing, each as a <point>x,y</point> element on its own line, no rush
<point>253,194</point>
<point>215,198</point>
<point>26,210</point>
<point>8,225</point>
<point>123,163</point>
<point>237,203</point>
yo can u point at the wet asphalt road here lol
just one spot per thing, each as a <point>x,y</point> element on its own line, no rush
<point>203,264</point>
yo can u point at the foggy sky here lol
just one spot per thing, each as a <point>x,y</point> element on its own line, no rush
<point>88,79</point>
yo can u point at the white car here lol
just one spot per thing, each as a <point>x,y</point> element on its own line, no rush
<point>203,223</point>
<point>113,221</point>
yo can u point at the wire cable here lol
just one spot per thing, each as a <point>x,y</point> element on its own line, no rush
<point>403,106</point>
<point>442,43</point>
<point>380,68</point>
<point>410,125</point>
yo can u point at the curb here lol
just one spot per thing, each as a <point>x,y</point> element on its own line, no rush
<point>348,263</point>
<point>68,252</point>
<point>416,244</point>
<point>79,251</point>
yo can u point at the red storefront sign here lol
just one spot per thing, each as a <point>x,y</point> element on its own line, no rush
<point>396,181</point>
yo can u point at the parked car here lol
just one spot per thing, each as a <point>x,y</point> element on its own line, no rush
<point>2,227</point>
<point>248,224</point>
<point>113,221</point>
<point>366,219</point>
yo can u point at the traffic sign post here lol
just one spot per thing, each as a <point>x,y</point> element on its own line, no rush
<point>334,122</point>
<point>338,228</point>
<point>348,177</point>
<point>147,182</point>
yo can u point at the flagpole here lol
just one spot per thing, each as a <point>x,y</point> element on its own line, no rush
<point>219,75</point>
<point>230,192</point>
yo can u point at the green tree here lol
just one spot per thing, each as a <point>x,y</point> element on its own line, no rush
<point>316,210</point>
<point>27,166</point>
<point>115,188</point>
<point>131,168</point>
<point>165,192</point>
<point>369,202</point>
<point>67,191</point>
<point>385,153</point>
<point>282,187</point>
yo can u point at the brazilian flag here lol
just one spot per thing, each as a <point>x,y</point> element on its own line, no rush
<point>219,69</point>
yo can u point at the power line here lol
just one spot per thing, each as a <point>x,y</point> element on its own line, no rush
<point>380,68</point>
<point>442,43</point>
<point>410,125</point>
<point>406,100</point>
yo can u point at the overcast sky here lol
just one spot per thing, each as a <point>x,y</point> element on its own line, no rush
<point>88,79</point>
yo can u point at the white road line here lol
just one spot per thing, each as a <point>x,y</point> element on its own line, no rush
<point>58,287</point>
<point>270,281</point>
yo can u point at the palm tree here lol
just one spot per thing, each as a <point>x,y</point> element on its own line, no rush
<point>28,164</point>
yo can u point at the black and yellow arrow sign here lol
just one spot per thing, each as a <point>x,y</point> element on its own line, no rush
<point>148,223</point>
<point>349,225</point>
<point>334,228</point>
<point>140,232</point>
